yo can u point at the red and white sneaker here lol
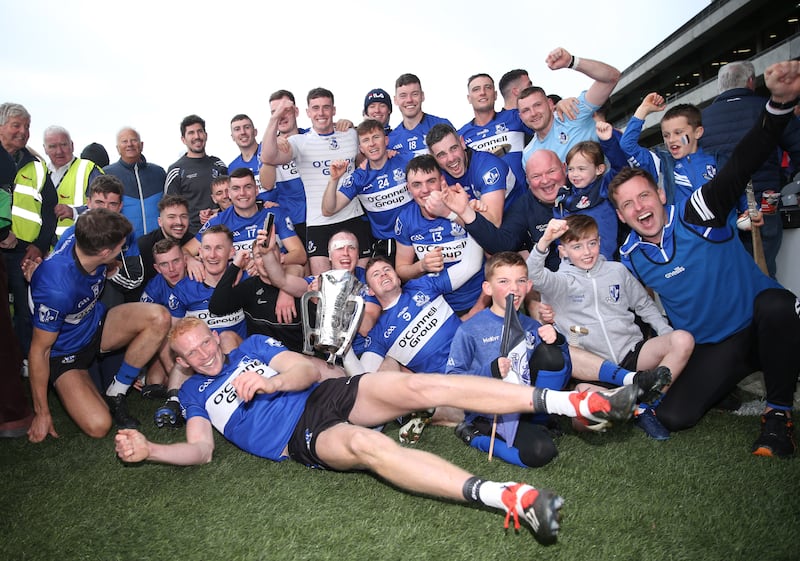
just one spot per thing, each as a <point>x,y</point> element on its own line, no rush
<point>540,508</point>
<point>597,410</point>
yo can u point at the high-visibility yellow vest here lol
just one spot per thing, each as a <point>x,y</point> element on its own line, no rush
<point>26,212</point>
<point>72,189</point>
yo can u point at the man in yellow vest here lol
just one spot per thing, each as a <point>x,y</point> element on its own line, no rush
<point>33,219</point>
<point>70,175</point>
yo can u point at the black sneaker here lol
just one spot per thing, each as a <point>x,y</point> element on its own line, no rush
<point>169,415</point>
<point>777,435</point>
<point>651,382</point>
<point>466,431</point>
<point>118,405</point>
<point>154,391</point>
<point>540,508</point>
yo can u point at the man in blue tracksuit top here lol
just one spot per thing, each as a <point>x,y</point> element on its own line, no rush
<point>690,255</point>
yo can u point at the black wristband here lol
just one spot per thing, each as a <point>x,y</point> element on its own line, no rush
<point>571,62</point>
<point>782,106</point>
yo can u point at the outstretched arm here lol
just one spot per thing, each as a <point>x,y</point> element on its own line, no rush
<point>132,447</point>
<point>604,75</point>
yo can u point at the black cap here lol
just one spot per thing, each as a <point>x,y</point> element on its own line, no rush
<point>96,153</point>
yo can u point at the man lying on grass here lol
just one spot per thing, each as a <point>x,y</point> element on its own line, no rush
<point>268,401</point>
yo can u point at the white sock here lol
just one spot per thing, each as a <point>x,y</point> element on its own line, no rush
<point>628,379</point>
<point>558,403</point>
<point>116,387</point>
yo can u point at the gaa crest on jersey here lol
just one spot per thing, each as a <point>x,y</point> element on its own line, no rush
<point>613,293</point>
<point>584,202</point>
<point>289,223</point>
<point>563,138</point>
<point>96,287</point>
<point>492,176</point>
<point>457,230</point>
<point>711,171</point>
<point>399,175</point>
<point>348,181</point>
<point>333,144</point>
<point>500,128</point>
<point>398,227</point>
<point>420,298</point>
<point>47,314</point>
<point>173,302</point>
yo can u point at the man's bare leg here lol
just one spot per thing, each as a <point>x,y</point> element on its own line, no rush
<point>83,402</point>
<point>348,447</point>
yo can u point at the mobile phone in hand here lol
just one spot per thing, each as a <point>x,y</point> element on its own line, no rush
<point>268,221</point>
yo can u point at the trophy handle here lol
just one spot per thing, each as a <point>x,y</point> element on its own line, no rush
<point>308,331</point>
<point>358,314</point>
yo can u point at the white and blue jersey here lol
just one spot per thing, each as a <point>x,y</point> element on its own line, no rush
<point>382,192</point>
<point>416,330</point>
<point>313,153</point>
<point>245,230</point>
<point>262,426</point>
<point>505,132</point>
<point>158,291</point>
<point>192,301</point>
<point>66,299</point>
<point>487,173</point>
<point>413,229</point>
<point>565,134</point>
<point>411,143</point>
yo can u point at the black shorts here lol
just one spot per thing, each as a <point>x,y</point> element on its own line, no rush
<point>81,360</point>
<point>319,236</point>
<point>630,360</point>
<point>329,404</point>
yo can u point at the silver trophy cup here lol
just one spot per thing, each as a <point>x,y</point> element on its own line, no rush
<point>339,313</point>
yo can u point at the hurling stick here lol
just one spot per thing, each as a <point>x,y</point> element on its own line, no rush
<point>755,231</point>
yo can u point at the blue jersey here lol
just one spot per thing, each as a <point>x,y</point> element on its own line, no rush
<point>487,173</point>
<point>382,192</point>
<point>289,192</point>
<point>245,230</point>
<point>66,299</point>
<point>505,132</point>
<point>679,178</point>
<point>158,291</point>
<point>477,344</point>
<point>253,164</point>
<point>192,301</point>
<point>411,143</point>
<point>262,426</point>
<point>413,229</point>
<point>565,134</point>
<point>417,330</point>
<point>682,265</point>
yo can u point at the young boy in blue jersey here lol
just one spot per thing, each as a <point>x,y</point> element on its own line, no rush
<point>484,176</point>
<point>380,185</point>
<point>523,440</point>
<point>601,296</point>
<point>268,401</point>
<point>690,254</point>
<point>71,327</point>
<point>682,166</point>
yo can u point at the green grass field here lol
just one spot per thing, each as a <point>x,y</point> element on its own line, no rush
<point>698,496</point>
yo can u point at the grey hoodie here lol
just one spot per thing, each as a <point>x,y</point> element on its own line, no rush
<point>600,299</point>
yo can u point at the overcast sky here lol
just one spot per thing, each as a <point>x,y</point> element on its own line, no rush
<point>94,66</point>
